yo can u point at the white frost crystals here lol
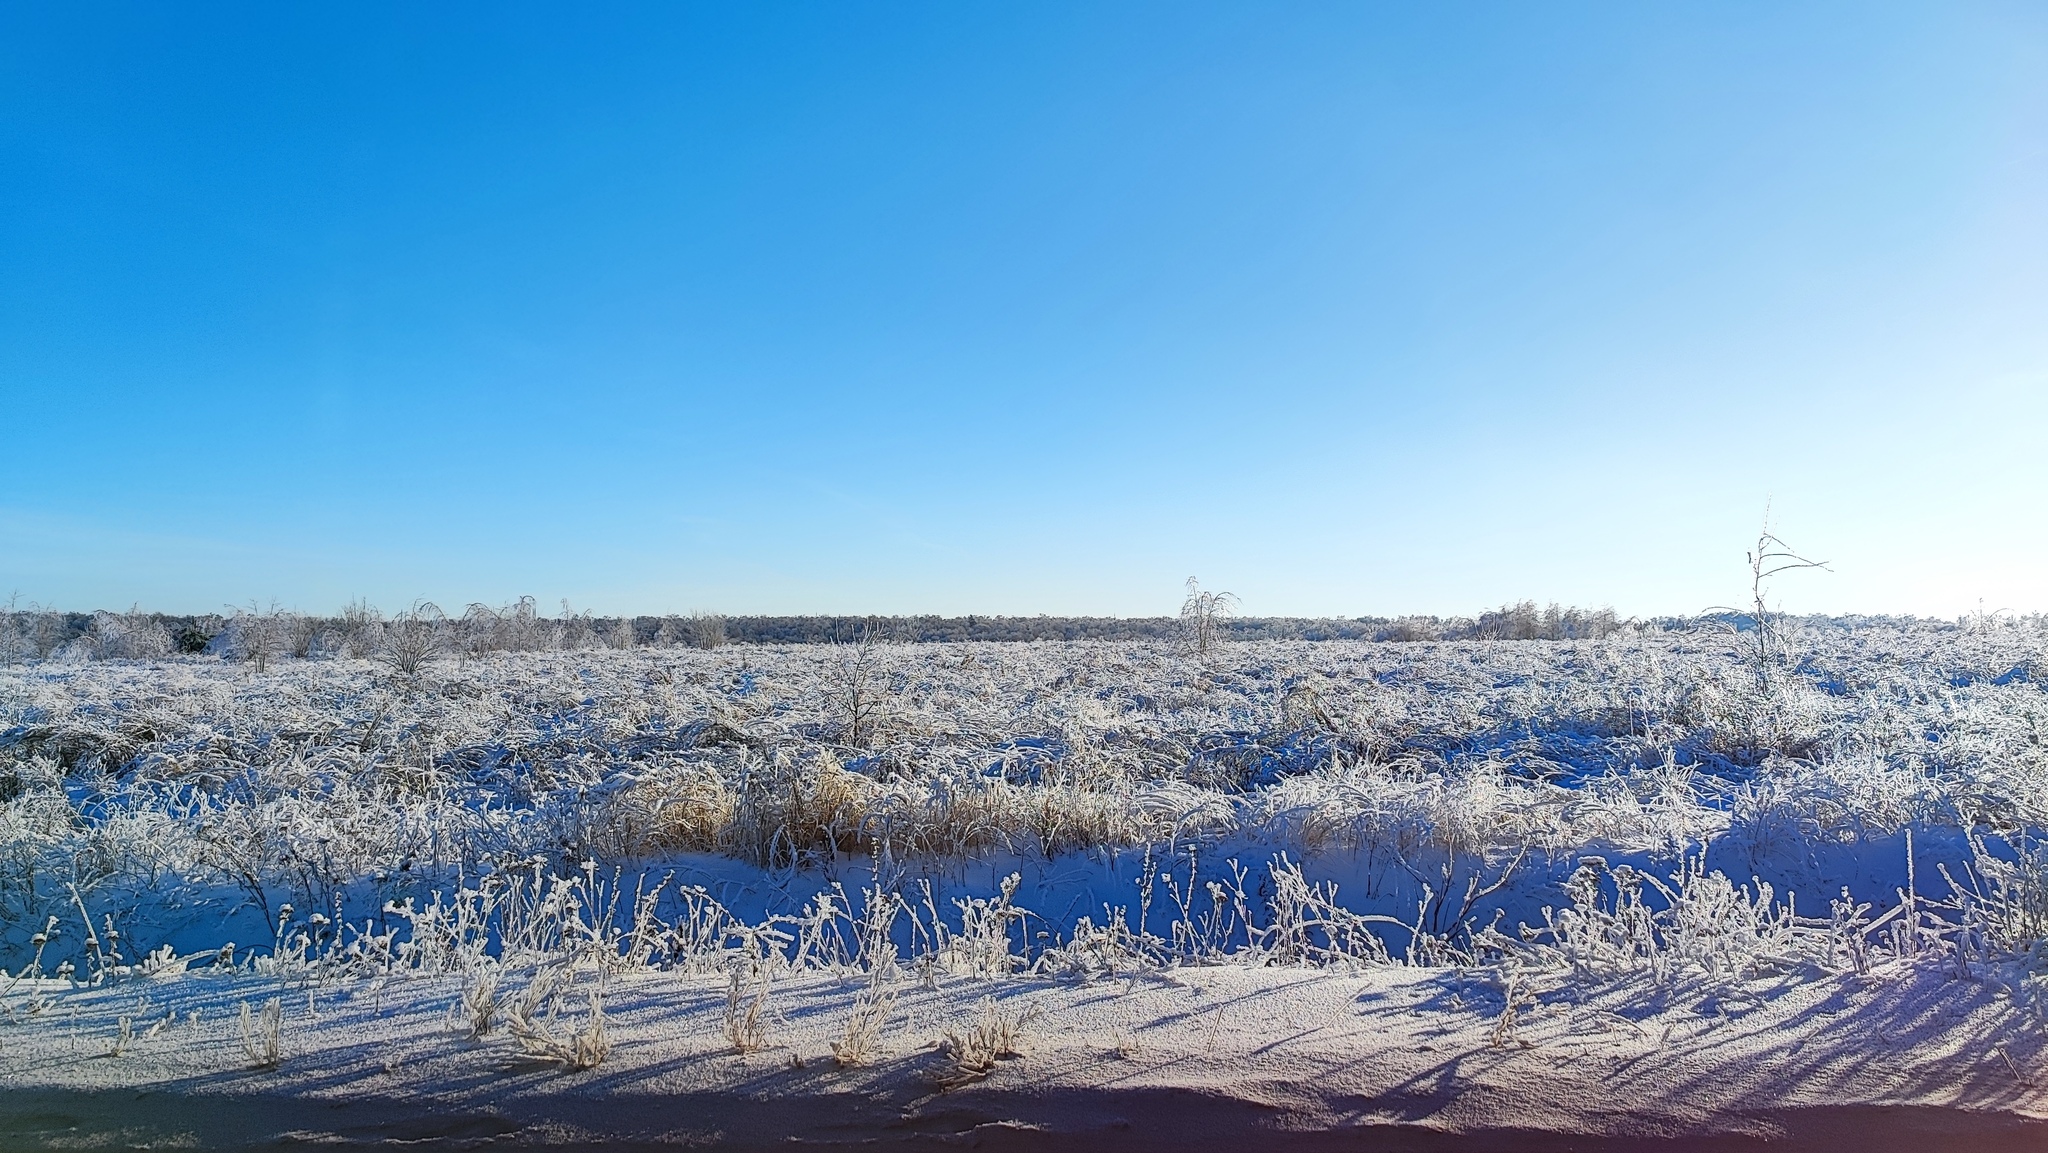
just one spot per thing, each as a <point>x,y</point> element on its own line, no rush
<point>539,823</point>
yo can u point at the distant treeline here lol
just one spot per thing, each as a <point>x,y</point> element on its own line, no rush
<point>424,630</point>
<point>1513,622</point>
<point>361,629</point>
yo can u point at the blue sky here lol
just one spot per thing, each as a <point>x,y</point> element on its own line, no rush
<point>1351,309</point>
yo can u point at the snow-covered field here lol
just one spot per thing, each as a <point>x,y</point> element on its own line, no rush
<point>1036,892</point>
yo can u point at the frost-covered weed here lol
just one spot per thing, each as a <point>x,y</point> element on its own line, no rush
<point>541,1020</point>
<point>872,1006</point>
<point>263,1034</point>
<point>1695,924</point>
<point>973,1047</point>
<point>477,1010</point>
<point>746,1005</point>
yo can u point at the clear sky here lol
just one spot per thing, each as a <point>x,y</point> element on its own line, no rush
<point>971,307</point>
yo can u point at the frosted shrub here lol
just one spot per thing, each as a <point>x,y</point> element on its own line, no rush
<point>1307,925</point>
<point>133,636</point>
<point>15,642</point>
<point>982,946</point>
<point>1098,951</point>
<point>1696,925</point>
<point>360,630</point>
<point>414,637</point>
<point>2000,900</point>
<point>254,634</point>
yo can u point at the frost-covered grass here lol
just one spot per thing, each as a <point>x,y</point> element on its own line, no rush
<point>1632,806</point>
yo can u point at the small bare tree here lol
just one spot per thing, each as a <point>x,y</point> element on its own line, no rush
<point>14,641</point>
<point>1202,615</point>
<point>625,633</point>
<point>47,631</point>
<point>362,628</point>
<point>855,676</point>
<point>257,634</point>
<point>1770,557</point>
<point>476,631</point>
<point>414,637</point>
<point>573,630</point>
<point>521,628</point>
<point>302,633</point>
<point>704,630</point>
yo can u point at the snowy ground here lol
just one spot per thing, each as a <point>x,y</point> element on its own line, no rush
<point>1452,895</point>
<point>1191,1058</point>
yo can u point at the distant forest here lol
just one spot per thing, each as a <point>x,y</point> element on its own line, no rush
<point>33,632</point>
<point>36,633</point>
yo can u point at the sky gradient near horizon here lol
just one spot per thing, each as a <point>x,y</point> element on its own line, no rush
<point>1349,309</point>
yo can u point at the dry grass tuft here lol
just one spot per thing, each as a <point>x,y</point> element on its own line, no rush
<point>536,1020</point>
<point>262,1034</point>
<point>991,1036</point>
<point>746,1025</point>
<point>474,1015</point>
<point>861,1039</point>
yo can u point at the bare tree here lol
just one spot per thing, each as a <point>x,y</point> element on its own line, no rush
<point>47,631</point>
<point>855,676</point>
<point>477,631</point>
<point>361,630</point>
<point>625,633</point>
<point>1770,557</point>
<point>704,630</point>
<point>134,635</point>
<point>14,640</point>
<point>256,634</point>
<point>414,637</point>
<point>572,629</point>
<point>1202,615</point>
<point>519,627</point>
<point>302,633</point>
